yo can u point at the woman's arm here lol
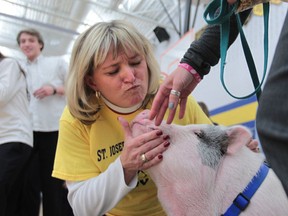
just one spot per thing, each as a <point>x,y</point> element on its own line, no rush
<point>201,55</point>
<point>205,52</point>
<point>98,195</point>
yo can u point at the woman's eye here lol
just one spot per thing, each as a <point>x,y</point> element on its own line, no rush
<point>113,72</point>
<point>135,63</point>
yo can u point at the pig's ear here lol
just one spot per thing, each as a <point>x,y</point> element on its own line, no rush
<point>238,136</point>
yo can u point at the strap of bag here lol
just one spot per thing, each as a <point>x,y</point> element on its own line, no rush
<point>219,12</point>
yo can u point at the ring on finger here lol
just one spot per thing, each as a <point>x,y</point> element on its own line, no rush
<point>175,92</point>
<point>143,158</point>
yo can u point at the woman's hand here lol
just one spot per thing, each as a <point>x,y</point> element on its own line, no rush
<point>179,80</point>
<point>253,145</point>
<point>152,144</point>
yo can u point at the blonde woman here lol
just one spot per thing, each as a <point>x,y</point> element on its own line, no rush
<point>113,76</point>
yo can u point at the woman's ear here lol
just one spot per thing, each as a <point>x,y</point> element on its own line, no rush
<point>90,82</point>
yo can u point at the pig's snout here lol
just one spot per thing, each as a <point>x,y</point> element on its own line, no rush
<point>143,115</point>
<point>141,123</point>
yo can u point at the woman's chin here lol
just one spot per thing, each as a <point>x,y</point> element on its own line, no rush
<point>136,100</point>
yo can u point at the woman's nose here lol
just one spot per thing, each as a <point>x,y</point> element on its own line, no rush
<point>128,74</point>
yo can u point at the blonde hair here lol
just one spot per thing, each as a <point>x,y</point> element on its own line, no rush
<point>90,51</point>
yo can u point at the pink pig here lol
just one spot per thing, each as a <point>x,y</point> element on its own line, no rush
<point>206,167</point>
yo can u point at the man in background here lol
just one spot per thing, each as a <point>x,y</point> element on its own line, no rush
<point>45,79</point>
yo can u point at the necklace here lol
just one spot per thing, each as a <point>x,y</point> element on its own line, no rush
<point>121,109</point>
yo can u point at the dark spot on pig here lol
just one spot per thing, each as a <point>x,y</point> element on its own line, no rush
<point>212,146</point>
<point>199,135</point>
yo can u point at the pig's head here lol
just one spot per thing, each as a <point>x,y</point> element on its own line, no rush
<point>200,164</point>
<point>211,139</point>
<point>201,146</point>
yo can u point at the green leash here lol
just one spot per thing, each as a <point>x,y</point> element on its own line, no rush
<point>219,12</point>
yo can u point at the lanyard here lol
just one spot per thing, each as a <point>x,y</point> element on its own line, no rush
<point>219,12</point>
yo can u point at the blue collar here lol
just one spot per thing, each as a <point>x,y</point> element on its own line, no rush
<point>242,200</point>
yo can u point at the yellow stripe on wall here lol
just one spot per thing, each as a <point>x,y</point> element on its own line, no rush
<point>238,115</point>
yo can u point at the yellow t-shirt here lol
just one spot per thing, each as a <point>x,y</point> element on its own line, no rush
<point>85,151</point>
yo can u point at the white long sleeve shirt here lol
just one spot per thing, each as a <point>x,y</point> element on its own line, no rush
<point>15,121</point>
<point>45,112</point>
<point>103,190</point>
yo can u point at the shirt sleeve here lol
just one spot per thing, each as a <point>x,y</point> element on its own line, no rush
<point>98,195</point>
<point>72,159</point>
<point>205,52</point>
<point>62,70</point>
<point>9,76</point>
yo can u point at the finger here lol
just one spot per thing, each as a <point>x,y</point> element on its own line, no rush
<point>154,155</point>
<point>126,127</point>
<point>173,102</point>
<point>171,115</point>
<point>256,150</point>
<point>161,112</point>
<point>36,92</point>
<point>154,161</point>
<point>156,150</point>
<point>253,144</point>
<point>37,95</point>
<point>151,139</point>
<point>157,103</point>
<point>183,103</point>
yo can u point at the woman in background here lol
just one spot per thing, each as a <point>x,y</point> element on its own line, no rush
<point>15,134</point>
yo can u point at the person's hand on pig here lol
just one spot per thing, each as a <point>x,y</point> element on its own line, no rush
<point>253,145</point>
<point>149,145</point>
<point>179,80</point>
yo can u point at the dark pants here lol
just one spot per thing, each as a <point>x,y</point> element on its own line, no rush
<point>272,114</point>
<point>40,182</point>
<point>13,161</point>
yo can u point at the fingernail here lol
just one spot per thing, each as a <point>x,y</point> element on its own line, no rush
<point>166,144</point>
<point>165,137</point>
<point>160,156</point>
<point>159,133</point>
<point>171,105</point>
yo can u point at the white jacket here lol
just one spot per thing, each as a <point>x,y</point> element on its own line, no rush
<point>15,121</point>
<point>43,70</point>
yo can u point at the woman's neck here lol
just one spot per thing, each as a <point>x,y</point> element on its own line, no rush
<point>121,109</point>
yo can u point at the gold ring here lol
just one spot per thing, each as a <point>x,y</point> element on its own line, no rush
<point>175,92</point>
<point>143,158</point>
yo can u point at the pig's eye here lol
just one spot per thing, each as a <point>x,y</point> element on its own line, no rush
<point>199,134</point>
